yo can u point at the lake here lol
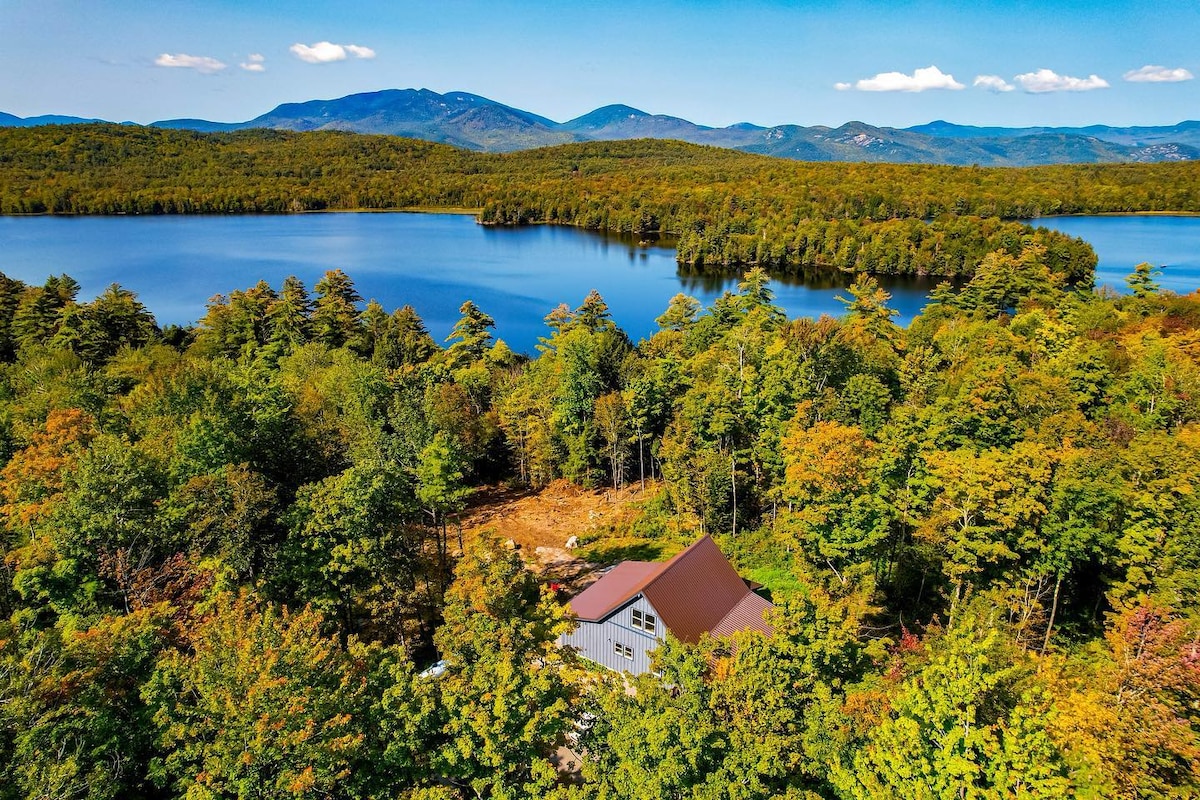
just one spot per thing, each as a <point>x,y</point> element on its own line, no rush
<point>432,261</point>
<point>1124,241</point>
<point>436,261</point>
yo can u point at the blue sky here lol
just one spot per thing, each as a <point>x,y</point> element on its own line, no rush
<point>716,62</point>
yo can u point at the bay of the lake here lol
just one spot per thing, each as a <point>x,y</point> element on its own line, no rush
<point>1124,241</point>
<point>432,261</point>
<point>436,261</point>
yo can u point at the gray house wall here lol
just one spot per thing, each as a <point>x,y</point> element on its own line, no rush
<point>595,640</point>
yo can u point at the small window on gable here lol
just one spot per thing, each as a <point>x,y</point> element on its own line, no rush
<point>623,650</point>
<point>643,621</point>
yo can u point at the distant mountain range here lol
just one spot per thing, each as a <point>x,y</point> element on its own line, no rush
<point>477,123</point>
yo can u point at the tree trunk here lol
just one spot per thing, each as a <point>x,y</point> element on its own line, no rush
<point>733,484</point>
<point>641,460</point>
<point>1053,613</point>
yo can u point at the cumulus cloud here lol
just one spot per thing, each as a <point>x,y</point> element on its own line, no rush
<point>921,79</point>
<point>993,83</point>
<point>254,63</point>
<point>1156,74</point>
<point>202,64</point>
<point>1046,80</point>
<point>326,52</point>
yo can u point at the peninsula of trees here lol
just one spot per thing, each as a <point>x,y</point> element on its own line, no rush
<point>230,552</point>
<point>724,208</point>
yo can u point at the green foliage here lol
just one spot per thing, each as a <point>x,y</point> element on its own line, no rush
<point>1142,280</point>
<point>963,726</point>
<point>222,550</point>
<point>662,739</point>
<point>335,319</point>
<point>267,705</point>
<point>72,723</point>
<point>502,702</point>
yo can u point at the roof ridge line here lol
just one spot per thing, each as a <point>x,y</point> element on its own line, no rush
<point>663,569</point>
<point>674,562</point>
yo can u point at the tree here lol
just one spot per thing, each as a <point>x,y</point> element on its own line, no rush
<point>868,328</point>
<point>372,324</point>
<point>265,704</point>
<point>405,341</point>
<point>34,478</point>
<point>593,315</point>
<point>648,402</point>
<point>656,736</point>
<point>503,698</point>
<point>829,474</point>
<point>779,698</point>
<point>471,335</point>
<point>72,721</point>
<point>1127,706</point>
<point>96,331</point>
<point>681,313</point>
<point>349,549</point>
<point>440,485</point>
<point>288,316</point>
<point>524,414</point>
<point>988,508</point>
<point>11,295</point>
<point>754,290</point>
<point>1142,281</point>
<point>335,317</point>
<point>612,422</point>
<point>37,317</point>
<point>968,725</point>
<point>230,513</point>
<point>580,383</point>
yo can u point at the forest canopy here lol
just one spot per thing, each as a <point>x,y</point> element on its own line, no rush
<point>231,552</point>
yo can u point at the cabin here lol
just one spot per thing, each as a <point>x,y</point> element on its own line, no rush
<point>624,615</point>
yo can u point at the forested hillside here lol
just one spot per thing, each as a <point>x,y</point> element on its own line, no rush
<point>726,208</point>
<point>231,552</point>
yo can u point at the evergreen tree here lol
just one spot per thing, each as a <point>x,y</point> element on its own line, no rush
<point>335,317</point>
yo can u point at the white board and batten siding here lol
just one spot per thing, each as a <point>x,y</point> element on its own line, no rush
<point>614,642</point>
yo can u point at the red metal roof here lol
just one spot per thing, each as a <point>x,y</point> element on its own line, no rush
<point>694,593</point>
<point>622,583</point>
<point>747,615</point>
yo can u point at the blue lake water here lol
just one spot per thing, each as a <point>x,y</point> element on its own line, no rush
<point>432,261</point>
<point>1123,242</point>
<point>435,262</point>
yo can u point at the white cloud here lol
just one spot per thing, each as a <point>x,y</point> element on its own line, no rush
<point>1046,80</point>
<point>254,63</point>
<point>1155,74</point>
<point>203,64</point>
<point>993,83</point>
<point>326,52</point>
<point>921,79</point>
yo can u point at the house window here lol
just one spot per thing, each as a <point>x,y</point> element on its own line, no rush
<point>644,622</point>
<point>623,650</point>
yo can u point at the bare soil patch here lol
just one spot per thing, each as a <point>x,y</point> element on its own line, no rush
<point>540,521</point>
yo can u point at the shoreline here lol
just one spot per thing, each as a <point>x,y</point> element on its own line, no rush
<point>475,212</point>
<point>1033,220</point>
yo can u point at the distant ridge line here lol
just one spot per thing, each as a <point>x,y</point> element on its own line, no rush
<point>474,122</point>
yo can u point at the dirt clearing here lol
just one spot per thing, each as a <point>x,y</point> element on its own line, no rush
<point>541,521</point>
